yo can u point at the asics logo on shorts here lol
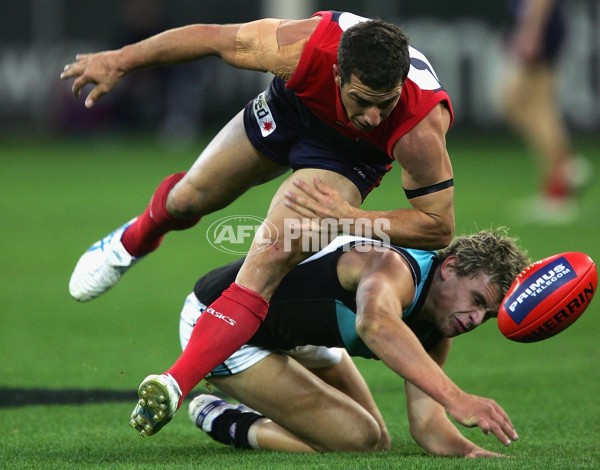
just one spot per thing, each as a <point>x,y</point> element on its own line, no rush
<point>263,115</point>
<point>220,316</point>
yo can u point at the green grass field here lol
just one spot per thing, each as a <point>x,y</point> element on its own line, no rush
<point>60,196</point>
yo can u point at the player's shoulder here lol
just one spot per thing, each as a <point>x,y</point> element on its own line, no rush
<point>421,73</point>
<point>399,262</point>
<point>345,243</point>
<point>376,254</point>
<point>293,31</point>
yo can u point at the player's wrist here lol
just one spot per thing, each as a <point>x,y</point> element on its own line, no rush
<point>130,58</point>
<point>452,396</point>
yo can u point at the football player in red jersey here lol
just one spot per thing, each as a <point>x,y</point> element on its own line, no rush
<point>349,97</point>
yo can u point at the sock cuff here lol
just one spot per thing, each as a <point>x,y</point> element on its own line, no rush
<point>252,301</point>
<point>159,200</point>
<point>231,428</point>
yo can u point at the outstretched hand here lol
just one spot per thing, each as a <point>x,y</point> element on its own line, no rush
<point>100,69</point>
<point>317,201</point>
<point>472,410</point>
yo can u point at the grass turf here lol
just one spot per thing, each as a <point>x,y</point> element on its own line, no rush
<point>60,196</point>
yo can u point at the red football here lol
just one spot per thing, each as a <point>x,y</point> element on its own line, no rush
<point>547,297</point>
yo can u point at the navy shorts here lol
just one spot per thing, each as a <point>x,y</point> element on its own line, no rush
<point>554,33</point>
<point>281,127</point>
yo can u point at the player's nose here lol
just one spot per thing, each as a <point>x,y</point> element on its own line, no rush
<point>477,316</point>
<point>373,116</point>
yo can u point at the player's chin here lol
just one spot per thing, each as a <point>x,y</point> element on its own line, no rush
<point>456,328</point>
<point>450,332</point>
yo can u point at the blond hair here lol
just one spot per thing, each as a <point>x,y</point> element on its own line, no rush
<point>491,252</point>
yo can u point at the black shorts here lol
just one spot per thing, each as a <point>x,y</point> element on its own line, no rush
<point>281,127</point>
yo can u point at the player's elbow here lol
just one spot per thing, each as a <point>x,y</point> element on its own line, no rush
<point>368,328</point>
<point>379,309</point>
<point>440,233</point>
<point>445,236</point>
<point>435,229</point>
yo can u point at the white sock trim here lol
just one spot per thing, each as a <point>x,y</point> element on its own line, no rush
<point>253,432</point>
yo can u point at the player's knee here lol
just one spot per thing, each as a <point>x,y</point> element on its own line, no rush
<point>361,432</point>
<point>288,251</point>
<point>185,202</point>
<point>368,439</point>
<point>364,436</point>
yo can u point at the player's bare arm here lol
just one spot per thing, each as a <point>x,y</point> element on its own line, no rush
<point>426,174</point>
<point>426,178</point>
<point>429,424</point>
<point>267,45</point>
<point>381,295</point>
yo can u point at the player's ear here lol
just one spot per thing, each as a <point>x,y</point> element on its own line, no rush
<point>448,266</point>
<point>337,76</point>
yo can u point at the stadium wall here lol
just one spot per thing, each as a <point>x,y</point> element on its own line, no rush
<point>462,40</point>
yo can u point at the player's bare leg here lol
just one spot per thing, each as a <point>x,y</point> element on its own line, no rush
<point>301,412</point>
<point>238,312</point>
<point>227,168</point>
<point>264,268</point>
<point>532,110</point>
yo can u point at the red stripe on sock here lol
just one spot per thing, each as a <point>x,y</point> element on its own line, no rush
<point>146,233</point>
<point>226,325</point>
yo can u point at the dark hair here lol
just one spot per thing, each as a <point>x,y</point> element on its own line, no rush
<point>376,52</point>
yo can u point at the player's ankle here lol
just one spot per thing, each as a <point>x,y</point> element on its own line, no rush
<point>233,428</point>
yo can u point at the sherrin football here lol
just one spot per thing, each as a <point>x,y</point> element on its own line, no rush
<point>547,297</point>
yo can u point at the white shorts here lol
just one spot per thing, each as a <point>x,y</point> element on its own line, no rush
<point>309,356</point>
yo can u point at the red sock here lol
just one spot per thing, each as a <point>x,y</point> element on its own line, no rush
<point>226,325</point>
<point>558,185</point>
<point>146,233</point>
<point>557,190</point>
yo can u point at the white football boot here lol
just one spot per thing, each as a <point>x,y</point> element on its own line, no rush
<point>101,266</point>
<point>204,409</point>
<point>546,211</point>
<point>580,172</point>
<point>159,397</point>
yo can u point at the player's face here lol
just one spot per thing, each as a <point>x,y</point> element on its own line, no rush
<point>366,108</point>
<point>464,303</point>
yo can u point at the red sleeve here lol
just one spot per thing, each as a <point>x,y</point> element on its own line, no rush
<point>311,49</point>
<point>412,108</point>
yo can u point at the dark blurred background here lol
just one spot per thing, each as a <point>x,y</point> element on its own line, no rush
<point>462,39</point>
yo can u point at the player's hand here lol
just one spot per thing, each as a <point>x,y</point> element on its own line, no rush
<point>471,410</point>
<point>317,201</point>
<point>100,69</point>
